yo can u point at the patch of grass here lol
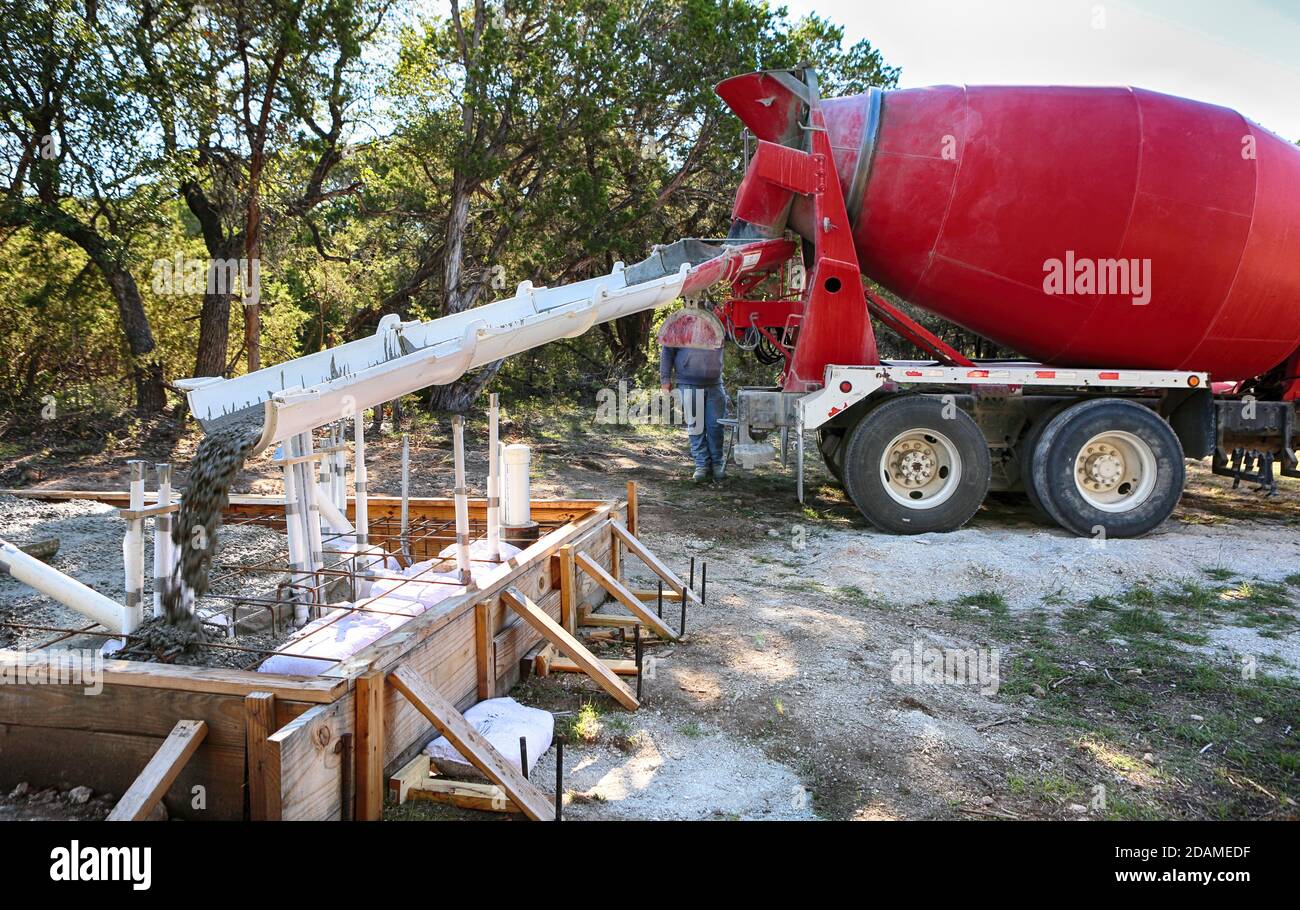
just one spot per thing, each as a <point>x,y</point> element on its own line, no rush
<point>1118,808</point>
<point>990,601</point>
<point>1139,621</point>
<point>1027,671</point>
<point>585,726</point>
<point>691,730</point>
<point>1053,788</point>
<point>1219,573</point>
<point>1140,596</point>
<point>1075,619</point>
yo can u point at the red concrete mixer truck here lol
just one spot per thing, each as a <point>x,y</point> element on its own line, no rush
<point>1133,247</point>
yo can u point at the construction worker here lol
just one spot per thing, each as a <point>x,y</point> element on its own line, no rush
<point>698,374</point>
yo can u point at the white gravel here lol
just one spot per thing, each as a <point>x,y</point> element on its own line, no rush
<point>90,550</point>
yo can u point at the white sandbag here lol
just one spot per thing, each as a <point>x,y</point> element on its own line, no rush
<point>339,637</point>
<point>428,589</point>
<point>501,721</point>
<point>479,551</point>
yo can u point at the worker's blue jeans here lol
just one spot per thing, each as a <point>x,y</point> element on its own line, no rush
<point>707,404</point>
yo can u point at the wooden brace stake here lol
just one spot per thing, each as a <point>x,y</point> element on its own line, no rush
<point>161,772</point>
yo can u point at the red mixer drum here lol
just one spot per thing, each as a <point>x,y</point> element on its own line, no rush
<point>1077,226</point>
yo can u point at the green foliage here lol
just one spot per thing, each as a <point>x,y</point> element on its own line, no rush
<point>572,133</point>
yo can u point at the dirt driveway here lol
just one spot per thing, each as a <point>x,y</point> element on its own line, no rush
<point>1003,671</point>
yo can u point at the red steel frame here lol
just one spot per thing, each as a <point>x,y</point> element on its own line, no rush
<point>832,319</point>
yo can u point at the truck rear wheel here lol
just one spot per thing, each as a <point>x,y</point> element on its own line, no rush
<point>913,466</point>
<point>1108,467</point>
<point>1025,456</point>
<point>830,442</point>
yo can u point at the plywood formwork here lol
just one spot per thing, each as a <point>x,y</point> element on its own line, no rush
<point>284,747</point>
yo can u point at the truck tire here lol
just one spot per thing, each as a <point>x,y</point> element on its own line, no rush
<point>1026,458</point>
<point>912,467</point>
<point>1108,467</point>
<point>830,442</point>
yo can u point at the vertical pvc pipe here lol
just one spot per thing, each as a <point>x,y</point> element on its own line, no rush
<point>493,482</point>
<point>518,511</point>
<point>133,547</point>
<point>294,530</point>
<point>162,540</point>
<point>359,482</point>
<point>307,496</point>
<point>406,496</point>
<point>462,499</point>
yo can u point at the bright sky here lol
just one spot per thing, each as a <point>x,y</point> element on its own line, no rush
<point>1244,54</point>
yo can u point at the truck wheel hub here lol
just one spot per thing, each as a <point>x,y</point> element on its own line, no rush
<point>1102,468</point>
<point>920,468</point>
<point>1115,471</point>
<point>914,464</point>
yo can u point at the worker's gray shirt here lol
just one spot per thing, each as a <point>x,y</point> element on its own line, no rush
<point>693,366</point>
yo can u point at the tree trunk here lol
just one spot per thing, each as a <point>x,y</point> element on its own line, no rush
<point>214,335</point>
<point>214,317</point>
<point>459,396</point>
<point>146,370</point>
<point>628,338</point>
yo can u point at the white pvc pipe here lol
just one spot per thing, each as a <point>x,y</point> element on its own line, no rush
<point>68,591</point>
<point>462,499</point>
<point>295,528</point>
<point>162,540</point>
<point>334,519</point>
<point>360,479</point>
<point>307,495</point>
<point>133,546</point>
<point>515,460</point>
<point>493,482</point>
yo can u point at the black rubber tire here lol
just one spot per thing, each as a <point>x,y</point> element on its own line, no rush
<point>865,484</point>
<point>1025,455</point>
<point>1059,445</point>
<point>830,443</point>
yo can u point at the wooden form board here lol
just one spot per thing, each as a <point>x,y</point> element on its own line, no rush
<point>442,647</point>
<point>370,746</point>
<point>59,735</point>
<point>473,745</point>
<point>557,635</point>
<point>290,735</point>
<point>464,794</point>
<point>263,776</point>
<point>621,666</point>
<point>162,770</point>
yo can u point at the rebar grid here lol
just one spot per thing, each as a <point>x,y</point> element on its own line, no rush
<point>425,537</point>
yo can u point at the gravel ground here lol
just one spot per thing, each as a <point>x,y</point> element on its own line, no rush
<point>782,701</point>
<point>90,550</point>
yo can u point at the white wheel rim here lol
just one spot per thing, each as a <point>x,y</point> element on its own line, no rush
<point>920,469</point>
<point>1115,471</point>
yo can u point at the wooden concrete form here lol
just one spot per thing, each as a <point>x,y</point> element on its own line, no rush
<point>298,747</point>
